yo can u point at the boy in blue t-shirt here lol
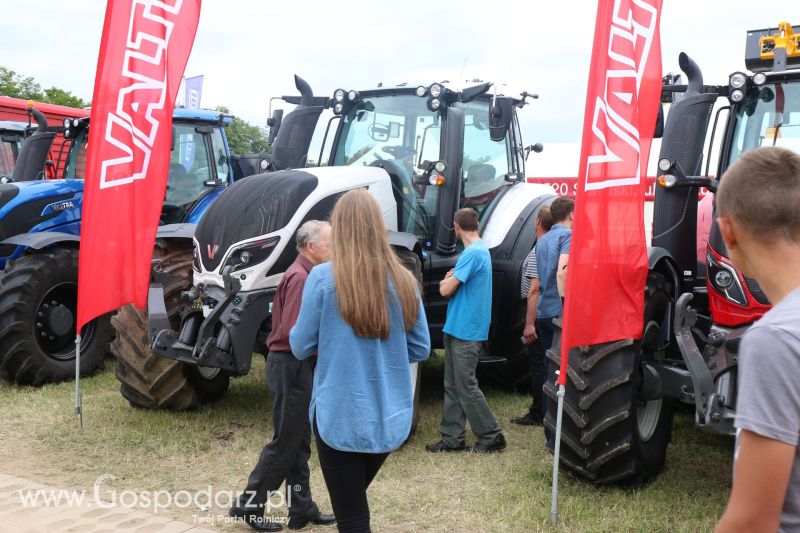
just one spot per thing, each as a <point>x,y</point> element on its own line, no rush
<point>469,287</point>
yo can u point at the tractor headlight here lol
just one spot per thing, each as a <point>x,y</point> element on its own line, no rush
<point>436,90</point>
<point>422,90</point>
<point>724,279</point>
<point>737,95</point>
<point>352,96</point>
<point>251,254</point>
<point>67,122</point>
<point>339,95</point>
<point>667,181</point>
<point>434,104</point>
<point>338,108</point>
<point>760,78</point>
<point>737,80</point>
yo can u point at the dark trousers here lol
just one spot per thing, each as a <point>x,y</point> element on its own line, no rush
<point>347,476</point>
<point>285,457</point>
<point>537,362</point>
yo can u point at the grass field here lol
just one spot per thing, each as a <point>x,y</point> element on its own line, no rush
<point>415,491</point>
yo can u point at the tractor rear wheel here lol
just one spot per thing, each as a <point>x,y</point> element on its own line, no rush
<point>413,263</point>
<point>148,380</point>
<point>608,434</point>
<point>38,310</point>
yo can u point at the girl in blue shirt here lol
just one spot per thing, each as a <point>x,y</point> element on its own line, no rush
<point>362,314</point>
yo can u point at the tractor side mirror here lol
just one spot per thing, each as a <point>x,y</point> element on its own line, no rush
<point>533,148</point>
<point>274,123</point>
<point>501,113</point>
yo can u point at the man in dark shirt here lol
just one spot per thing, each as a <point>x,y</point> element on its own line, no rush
<point>285,457</point>
<point>537,355</point>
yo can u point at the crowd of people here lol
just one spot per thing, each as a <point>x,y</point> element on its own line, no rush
<point>340,350</point>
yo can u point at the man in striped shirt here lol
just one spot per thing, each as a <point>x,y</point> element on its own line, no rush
<point>530,290</point>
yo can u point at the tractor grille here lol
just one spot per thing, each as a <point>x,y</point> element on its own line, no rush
<point>755,290</point>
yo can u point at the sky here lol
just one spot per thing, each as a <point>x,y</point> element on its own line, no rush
<point>248,51</point>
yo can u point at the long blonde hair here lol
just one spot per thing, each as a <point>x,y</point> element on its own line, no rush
<point>362,263</point>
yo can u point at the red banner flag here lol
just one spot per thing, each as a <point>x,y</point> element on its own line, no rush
<point>143,53</point>
<point>608,259</point>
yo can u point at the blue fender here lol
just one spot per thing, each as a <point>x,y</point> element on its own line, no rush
<point>43,239</point>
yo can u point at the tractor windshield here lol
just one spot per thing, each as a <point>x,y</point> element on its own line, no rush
<point>769,116</point>
<point>9,147</point>
<point>396,133</point>
<point>198,156</point>
<point>486,162</point>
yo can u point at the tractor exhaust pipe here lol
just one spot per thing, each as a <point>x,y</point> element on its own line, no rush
<point>693,74</point>
<point>675,210</point>
<point>296,129</point>
<point>41,120</point>
<point>306,94</point>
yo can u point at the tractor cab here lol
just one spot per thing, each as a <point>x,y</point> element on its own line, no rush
<point>199,161</point>
<point>443,146</point>
<point>11,136</point>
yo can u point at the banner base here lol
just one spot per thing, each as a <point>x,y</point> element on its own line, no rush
<point>556,454</point>
<point>78,398</point>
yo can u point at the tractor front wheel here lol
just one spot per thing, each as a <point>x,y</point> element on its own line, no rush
<point>38,311</point>
<point>608,434</point>
<point>148,380</point>
<point>413,263</point>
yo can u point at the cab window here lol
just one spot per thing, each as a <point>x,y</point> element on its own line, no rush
<point>486,162</point>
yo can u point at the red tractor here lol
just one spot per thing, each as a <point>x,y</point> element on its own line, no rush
<point>619,395</point>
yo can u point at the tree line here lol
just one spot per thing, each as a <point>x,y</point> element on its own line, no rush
<point>243,137</point>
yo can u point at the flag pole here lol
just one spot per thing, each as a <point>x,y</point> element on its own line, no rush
<point>78,402</point>
<point>556,453</point>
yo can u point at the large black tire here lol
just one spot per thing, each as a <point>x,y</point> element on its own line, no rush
<point>413,263</point>
<point>515,374</point>
<point>38,310</point>
<point>609,435</point>
<point>146,379</point>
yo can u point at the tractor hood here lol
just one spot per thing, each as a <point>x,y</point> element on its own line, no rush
<point>260,214</point>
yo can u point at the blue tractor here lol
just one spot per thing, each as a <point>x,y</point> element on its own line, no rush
<point>40,234</point>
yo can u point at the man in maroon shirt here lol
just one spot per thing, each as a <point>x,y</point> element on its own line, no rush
<point>285,457</point>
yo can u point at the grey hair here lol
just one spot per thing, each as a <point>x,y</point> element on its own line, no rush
<point>309,232</point>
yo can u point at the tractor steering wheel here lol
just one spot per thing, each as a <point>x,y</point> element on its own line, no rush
<point>398,152</point>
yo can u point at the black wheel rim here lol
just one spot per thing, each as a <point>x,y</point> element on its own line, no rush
<point>54,323</point>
